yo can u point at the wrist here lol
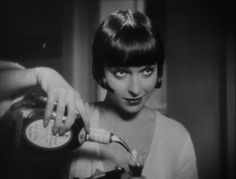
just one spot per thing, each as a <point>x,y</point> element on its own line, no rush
<point>40,73</point>
<point>36,75</point>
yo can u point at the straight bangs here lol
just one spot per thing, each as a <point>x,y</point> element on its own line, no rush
<point>132,47</point>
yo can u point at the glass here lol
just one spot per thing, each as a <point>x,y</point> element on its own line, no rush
<point>136,162</point>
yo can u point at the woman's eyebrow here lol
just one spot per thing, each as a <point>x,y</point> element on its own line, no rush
<point>148,66</point>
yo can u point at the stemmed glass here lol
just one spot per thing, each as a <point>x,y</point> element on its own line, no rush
<point>136,162</point>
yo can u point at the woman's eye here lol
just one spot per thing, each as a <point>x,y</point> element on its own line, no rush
<point>120,73</point>
<point>147,71</point>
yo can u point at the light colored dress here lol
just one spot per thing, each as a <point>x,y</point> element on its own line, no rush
<point>171,155</point>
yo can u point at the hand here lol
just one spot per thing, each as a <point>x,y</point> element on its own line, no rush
<point>61,93</point>
<point>127,175</point>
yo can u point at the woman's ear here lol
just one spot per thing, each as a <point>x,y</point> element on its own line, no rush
<point>159,82</point>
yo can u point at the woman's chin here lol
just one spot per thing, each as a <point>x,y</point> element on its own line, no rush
<point>132,110</point>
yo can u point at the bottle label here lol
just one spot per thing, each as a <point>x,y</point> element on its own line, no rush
<point>39,136</point>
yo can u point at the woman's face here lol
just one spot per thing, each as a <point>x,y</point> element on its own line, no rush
<point>131,86</point>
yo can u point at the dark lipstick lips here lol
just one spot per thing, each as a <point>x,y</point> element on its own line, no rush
<point>133,101</point>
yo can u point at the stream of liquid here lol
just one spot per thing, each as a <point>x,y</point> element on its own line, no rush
<point>135,167</point>
<point>127,148</point>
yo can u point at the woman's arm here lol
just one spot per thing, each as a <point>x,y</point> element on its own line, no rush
<point>15,82</point>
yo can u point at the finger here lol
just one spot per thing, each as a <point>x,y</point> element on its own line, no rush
<point>51,97</point>
<point>59,112</point>
<point>71,114</point>
<point>83,110</point>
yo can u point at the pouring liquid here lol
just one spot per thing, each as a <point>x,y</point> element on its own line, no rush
<point>135,166</point>
<point>125,145</point>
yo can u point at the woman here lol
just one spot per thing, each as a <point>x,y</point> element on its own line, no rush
<point>127,61</point>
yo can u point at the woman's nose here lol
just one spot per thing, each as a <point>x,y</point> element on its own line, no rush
<point>134,86</point>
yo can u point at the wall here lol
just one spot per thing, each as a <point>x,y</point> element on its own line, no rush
<point>31,33</point>
<point>85,20</point>
<point>55,34</point>
<point>196,56</point>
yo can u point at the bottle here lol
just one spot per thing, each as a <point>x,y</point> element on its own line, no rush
<point>41,139</point>
<point>31,136</point>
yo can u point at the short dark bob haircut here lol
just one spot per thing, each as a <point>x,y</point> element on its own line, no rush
<point>126,38</point>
